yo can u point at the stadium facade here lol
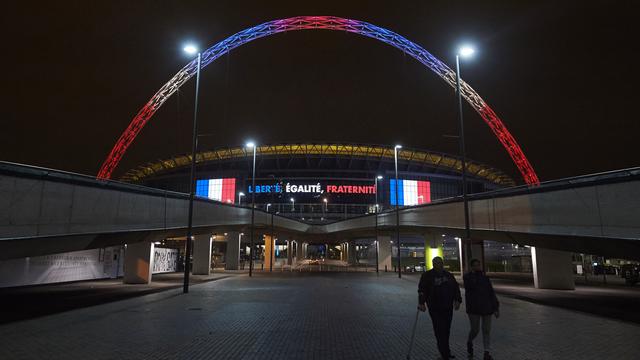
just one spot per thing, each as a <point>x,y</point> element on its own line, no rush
<point>317,182</point>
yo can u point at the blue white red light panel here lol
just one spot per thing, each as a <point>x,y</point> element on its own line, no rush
<point>410,192</point>
<point>223,190</point>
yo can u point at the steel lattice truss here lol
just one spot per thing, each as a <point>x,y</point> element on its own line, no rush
<point>327,23</point>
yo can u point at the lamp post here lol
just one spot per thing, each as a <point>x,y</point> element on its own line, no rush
<point>251,145</point>
<point>395,156</point>
<point>293,204</point>
<point>273,241</point>
<point>240,195</point>
<point>191,49</point>
<point>379,177</point>
<point>464,51</point>
<point>324,208</point>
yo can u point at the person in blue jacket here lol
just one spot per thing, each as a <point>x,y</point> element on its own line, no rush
<point>481,303</point>
<point>439,291</point>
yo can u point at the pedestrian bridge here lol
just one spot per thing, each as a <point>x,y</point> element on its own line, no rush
<point>45,211</point>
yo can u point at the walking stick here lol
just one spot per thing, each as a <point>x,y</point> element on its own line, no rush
<point>413,335</point>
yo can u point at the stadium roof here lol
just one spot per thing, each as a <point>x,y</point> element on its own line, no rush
<point>373,152</point>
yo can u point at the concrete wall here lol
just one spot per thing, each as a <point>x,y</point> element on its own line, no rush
<point>44,211</point>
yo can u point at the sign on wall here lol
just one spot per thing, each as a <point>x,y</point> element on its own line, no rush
<point>63,267</point>
<point>164,260</point>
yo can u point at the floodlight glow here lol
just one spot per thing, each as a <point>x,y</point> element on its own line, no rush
<point>251,144</point>
<point>190,49</point>
<point>379,177</point>
<point>466,51</point>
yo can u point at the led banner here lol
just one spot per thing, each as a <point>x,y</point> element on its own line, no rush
<point>217,189</point>
<point>410,192</point>
<point>317,188</point>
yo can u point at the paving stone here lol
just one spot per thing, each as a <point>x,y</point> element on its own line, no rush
<point>304,316</point>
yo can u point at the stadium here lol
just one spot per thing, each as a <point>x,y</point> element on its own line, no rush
<point>320,183</point>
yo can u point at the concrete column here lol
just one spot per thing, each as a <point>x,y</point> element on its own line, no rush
<point>477,251</point>
<point>289,252</point>
<point>303,251</point>
<point>552,269</point>
<point>201,255</point>
<point>384,252</point>
<point>433,246</point>
<point>232,255</point>
<point>138,263</point>
<point>269,253</point>
<point>352,253</point>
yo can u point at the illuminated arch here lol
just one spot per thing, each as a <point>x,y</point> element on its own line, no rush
<point>313,23</point>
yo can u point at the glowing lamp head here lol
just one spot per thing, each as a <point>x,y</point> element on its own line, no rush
<point>466,51</point>
<point>190,49</point>
<point>251,144</point>
<point>292,200</point>
<point>379,177</point>
<point>398,147</point>
<point>241,194</point>
<point>325,199</point>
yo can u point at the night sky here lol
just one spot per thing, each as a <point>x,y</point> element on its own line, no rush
<point>560,76</point>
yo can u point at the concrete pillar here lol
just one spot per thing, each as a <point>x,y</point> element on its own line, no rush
<point>232,255</point>
<point>384,252</point>
<point>289,252</point>
<point>352,253</point>
<point>303,251</point>
<point>138,263</point>
<point>433,246</point>
<point>477,251</point>
<point>552,269</point>
<point>269,253</point>
<point>201,255</point>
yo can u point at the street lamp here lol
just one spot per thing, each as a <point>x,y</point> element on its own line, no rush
<point>293,204</point>
<point>395,157</point>
<point>464,51</point>
<point>240,195</point>
<point>268,205</point>
<point>375,180</point>
<point>191,49</point>
<point>252,145</point>
<point>325,208</point>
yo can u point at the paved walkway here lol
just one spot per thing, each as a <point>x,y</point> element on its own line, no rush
<point>32,301</point>
<point>302,316</point>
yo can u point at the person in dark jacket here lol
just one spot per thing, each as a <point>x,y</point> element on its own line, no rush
<point>439,291</point>
<point>482,303</point>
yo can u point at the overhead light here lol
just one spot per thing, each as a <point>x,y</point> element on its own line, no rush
<point>190,49</point>
<point>466,51</point>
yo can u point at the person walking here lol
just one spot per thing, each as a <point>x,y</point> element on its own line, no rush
<point>439,291</point>
<point>482,303</point>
